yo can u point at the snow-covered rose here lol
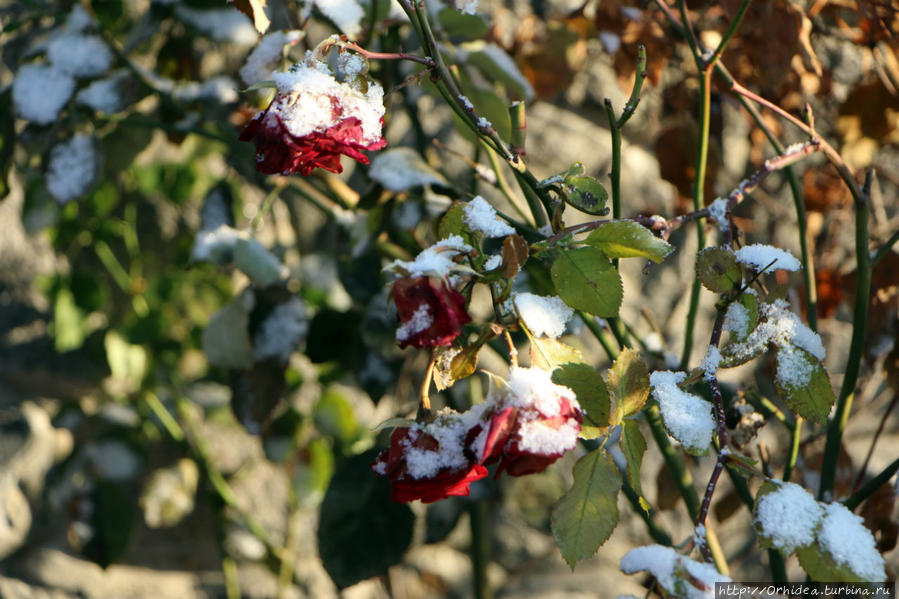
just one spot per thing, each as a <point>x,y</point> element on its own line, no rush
<point>314,118</point>
<point>430,311</point>
<point>429,462</point>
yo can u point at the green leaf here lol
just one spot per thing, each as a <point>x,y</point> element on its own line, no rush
<point>633,446</point>
<point>629,384</point>
<point>313,472</point>
<point>127,362</point>
<point>586,280</point>
<point>586,194</point>
<point>226,340</point>
<point>460,25</point>
<point>717,269</point>
<point>112,520</point>
<point>7,140</point>
<point>803,384</point>
<point>590,389</point>
<point>548,353</point>
<point>584,518</point>
<point>627,239</point>
<point>334,417</point>
<point>361,531</point>
<point>453,223</point>
<point>69,325</point>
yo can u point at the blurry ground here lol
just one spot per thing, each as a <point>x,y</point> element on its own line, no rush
<point>183,562</point>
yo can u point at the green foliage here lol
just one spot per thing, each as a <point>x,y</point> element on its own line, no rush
<point>628,384</point>
<point>627,239</point>
<point>586,280</point>
<point>633,446</point>
<point>586,515</point>
<point>586,194</point>
<point>718,270</point>
<point>590,389</point>
<point>112,521</point>
<point>361,532</point>
<point>806,388</point>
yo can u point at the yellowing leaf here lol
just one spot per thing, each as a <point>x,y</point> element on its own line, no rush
<point>627,239</point>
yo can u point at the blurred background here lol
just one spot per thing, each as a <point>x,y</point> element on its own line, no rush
<point>195,358</point>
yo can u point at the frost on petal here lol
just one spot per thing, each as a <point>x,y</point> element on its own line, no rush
<point>543,315</point>
<point>281,332</point>
<point>678,575</point>
<point>79,55</point>
<point>266,56</point>
<point>72,168</point>
<point>313,120</point>
<point>687,418</point>
<point>399,169</point>
<point>40,91</point>
<point>221,24</point>
<point>844,536</point>
<point>430,311</point>
<point>481,217</point>
<point>788,517</point>
<point>760,256</point>
<point>347,15</point>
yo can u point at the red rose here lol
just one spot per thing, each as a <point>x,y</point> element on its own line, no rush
<point>428,462</point>
<point>430,312</point>
<point>538,441</point>
<point>313,119</point>
<point>533,422</point>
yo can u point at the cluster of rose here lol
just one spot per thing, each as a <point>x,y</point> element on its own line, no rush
<point>525,423</point>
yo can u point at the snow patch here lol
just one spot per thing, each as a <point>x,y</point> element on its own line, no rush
<point>72,168</point>
<point>543,315</point>
<point>688,418</point>
<point>788,517</point>
<point>40,91</point>
<point>844,536</point>
<point>759,256</point>
<point>481,217</point>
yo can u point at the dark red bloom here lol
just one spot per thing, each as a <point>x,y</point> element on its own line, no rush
<point>420,468</point>
<point>312,120</point>
<point>537,440</point>
<point>431,313</point>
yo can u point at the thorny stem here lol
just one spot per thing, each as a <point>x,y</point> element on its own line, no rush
<point>722,439</point>
<point>856,346</point>
<point>665,226</point>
